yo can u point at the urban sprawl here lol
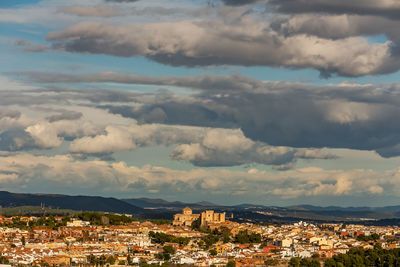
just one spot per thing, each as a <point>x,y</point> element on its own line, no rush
<point>205,239</point>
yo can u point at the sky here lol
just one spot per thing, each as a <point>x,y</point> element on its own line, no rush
<point>273,102</point>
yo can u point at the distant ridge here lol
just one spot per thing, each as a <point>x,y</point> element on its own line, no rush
<point>148,208</point>
<point>161,203</point>
<point>276,213</point>
<point>206,203</point>
<point>84,203</point>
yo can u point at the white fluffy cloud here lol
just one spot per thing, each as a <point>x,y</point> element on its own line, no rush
<point>222,147</point>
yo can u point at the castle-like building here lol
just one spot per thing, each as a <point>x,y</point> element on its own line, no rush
<point>186,218</point>
<point>208,217</point>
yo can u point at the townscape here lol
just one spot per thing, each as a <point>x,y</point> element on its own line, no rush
<point>92,238</point>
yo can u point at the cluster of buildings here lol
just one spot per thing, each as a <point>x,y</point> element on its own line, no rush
<point>79,242</point>
<point>207,218</point>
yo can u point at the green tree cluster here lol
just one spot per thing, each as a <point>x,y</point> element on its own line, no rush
<point>3,260</point>
<point>271,262</point>
<point>304,262</point>
<point>95,218</point>
<point>243,237</point>
<point>161,238</point>
<point>166,254</point>
<point>100,260</point>
<point>371,257</point>
<point>367,238</point>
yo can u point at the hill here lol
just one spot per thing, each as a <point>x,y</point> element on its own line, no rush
<point>161,203</point>
<point>87,203</point>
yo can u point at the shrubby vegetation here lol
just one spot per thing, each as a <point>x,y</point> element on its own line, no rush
<point>160,222</point>
<point>370,257</point>
<point>243,237</point>
<point>161,238</point>
<point>367,238</point>
<point>34,211</point>
<point>297,262</point>
<point>355,257</point>
<point>97,218</point>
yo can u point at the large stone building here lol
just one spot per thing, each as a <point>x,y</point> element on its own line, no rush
<point>186,218</point>
<point>208,217</point>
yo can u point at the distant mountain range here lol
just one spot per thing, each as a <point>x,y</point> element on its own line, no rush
<point>148,208</point>
<point>84,203</point>
<point>161,203</point>
<point>277,214</point>
<point>349,209</point>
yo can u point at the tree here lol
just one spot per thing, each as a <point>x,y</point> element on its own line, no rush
<point>169,249</point>
<point>315,256</point>
<point>314,263</point>
<point>271,262</point>
<point>110,260</point>
<point>92,259</point>
<point>231,264</point>
<point>3,260</point>
<point>294,262</point>
<point>213,252</point>
<point>166,256</point>
<point>242,237</point>
<point>330,263</point>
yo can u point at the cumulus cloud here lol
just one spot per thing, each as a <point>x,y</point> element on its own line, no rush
<point>44,136</point>
<point>121,138</point>
<point>19,131</point>
<point>221,147</point>
<point>216,42</point>
<point>200,146</point>
<point>386,8</point>
<point>115,139</point>
<point>91,11</point>
<point>337,26</point>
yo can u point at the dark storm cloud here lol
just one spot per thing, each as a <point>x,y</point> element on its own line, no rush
<point>383,8</point>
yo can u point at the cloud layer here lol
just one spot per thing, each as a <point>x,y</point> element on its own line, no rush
<point>247,42</point>
<point>276,113</point>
